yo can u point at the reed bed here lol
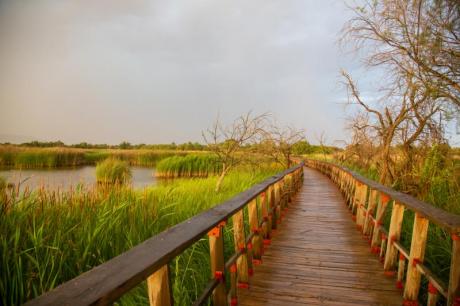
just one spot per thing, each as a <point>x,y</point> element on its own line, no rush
<point>113,171</point>
<point>188,166</point>
<point>50,237</point>
<point>29,158</point>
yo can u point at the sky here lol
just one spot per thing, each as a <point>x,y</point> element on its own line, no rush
<point>108,71</point>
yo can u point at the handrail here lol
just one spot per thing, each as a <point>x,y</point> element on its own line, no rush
<point>107,282</point>
<point>368,201</point>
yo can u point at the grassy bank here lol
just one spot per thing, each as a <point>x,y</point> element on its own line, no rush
<point>29,158</point>
<point>48,238</point>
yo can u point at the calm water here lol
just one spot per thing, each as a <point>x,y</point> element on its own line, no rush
<point>64,178</point>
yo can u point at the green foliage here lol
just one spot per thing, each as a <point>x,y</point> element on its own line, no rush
<point>22,158</point>
<point>49,238</point>
<point>188,166</point>
<point>438,184</point>
<point>3,184</point>
<point>113,171</point>
<point>301,147</point>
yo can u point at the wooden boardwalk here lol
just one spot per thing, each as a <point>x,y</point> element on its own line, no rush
<point>317,257</point>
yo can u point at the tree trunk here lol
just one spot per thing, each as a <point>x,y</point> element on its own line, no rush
<point>385,171</point>
<point>221,177</point>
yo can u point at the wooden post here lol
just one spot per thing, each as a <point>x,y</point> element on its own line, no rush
<point>361,207</point>
<point>159,288</point>
<point>240,246</point>
<point>383,248</point>
<point>277,191</point>
<point>453,295</point>
<point>401,267</point>
<point>394,234</point>
<point>433,295</point>
<point>381,207</point>
<point>272,207</point>
<point>266,226</point>
<point>216,250</point>
<point>369,212</point>
<point>417,254</point>
<point>233,285</point>
<point>254,226</point>
<point>355,197</point>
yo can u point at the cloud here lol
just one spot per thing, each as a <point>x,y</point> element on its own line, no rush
<point>160,71</point>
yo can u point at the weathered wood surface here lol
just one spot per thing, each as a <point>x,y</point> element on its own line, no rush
<point>318,257</point>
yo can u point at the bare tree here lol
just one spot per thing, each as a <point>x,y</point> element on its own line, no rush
<point>322,139</point>
<point>279,141</point>
<point>226,142</point>
<point>406,110</point>
<point>420,38</point>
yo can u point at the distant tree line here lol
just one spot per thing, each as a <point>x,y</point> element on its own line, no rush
<point>298,148</point>
<point>187,146</point>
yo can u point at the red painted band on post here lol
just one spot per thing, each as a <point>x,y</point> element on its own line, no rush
<point>432,289</point>
<point>242,285</point>
<point>257,262</point>
<point>389,273</point>
<point>219,275</point>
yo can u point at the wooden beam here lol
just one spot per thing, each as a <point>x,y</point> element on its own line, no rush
<point>159,289</point>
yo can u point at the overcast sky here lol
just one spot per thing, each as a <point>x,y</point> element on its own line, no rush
<point>160,71</point>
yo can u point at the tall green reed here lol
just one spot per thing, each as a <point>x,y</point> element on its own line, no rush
<point>49,238</point>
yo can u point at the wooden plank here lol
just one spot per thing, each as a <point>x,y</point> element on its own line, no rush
<point>318,258</point>
<point>417,255</point>
<point>159,289</point>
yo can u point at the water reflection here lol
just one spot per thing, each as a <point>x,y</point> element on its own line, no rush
<point>64,178</point>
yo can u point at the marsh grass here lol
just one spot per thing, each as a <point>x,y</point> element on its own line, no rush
<point>48,237</point>
<point>188,166</point>
<point>29,158</point>
<point>113,171</point>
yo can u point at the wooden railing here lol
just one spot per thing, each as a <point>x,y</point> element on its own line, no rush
<point>368,202</point>
<point>149,260</point>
